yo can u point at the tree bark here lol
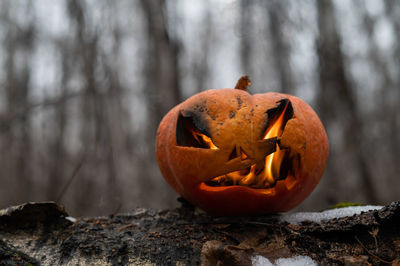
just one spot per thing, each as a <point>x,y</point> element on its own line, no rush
<point>40,233</point>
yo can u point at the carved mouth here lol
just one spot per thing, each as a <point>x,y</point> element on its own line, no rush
<point>274,167</point>
<point>254,176</point>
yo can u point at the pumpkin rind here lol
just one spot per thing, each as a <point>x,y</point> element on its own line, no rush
<point>234,118</point>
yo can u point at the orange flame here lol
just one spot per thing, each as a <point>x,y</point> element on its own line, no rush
<point>200,137</point>
<point>274,160</point>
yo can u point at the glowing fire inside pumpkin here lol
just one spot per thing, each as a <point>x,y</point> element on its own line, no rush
<point>274,160</point>
<point>201,138</point>
<point>263,174</point>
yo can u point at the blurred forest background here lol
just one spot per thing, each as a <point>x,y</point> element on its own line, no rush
<point>84,84</point>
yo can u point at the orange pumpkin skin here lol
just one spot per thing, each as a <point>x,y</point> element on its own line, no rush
<point>234,118</point>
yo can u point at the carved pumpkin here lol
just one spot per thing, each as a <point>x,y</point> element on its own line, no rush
<point>232,153</point>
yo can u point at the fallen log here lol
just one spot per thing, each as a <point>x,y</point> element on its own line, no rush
<point>42,233</point>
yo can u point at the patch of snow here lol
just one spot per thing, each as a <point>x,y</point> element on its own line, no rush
<point>293,261</point>
<point>260,261</point>
<point>71,219</point>
<point>296,261</point>
<point>297,218</point>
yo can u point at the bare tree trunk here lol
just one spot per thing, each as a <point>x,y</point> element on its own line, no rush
<point>57,145</point>
<point>277,14</point>
<point>96,128</point>
<point>116,117</point>
<point>85,51</point>
<point>162,86</point>
<point>19,43</point>
<point>201,67</point>
<point>393,13</point>
<point>384,112</point>
<point>336,99</point>
<point>246,30</point>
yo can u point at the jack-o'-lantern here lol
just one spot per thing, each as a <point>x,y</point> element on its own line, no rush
<point>233,153</point>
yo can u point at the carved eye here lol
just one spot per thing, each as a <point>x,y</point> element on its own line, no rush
<point>191,132</point>
<point>277,119</point>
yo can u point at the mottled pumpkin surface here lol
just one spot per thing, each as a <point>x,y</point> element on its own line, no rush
<point>235,121</point>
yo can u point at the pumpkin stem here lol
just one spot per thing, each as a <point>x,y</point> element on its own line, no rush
<point>243,83</point>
